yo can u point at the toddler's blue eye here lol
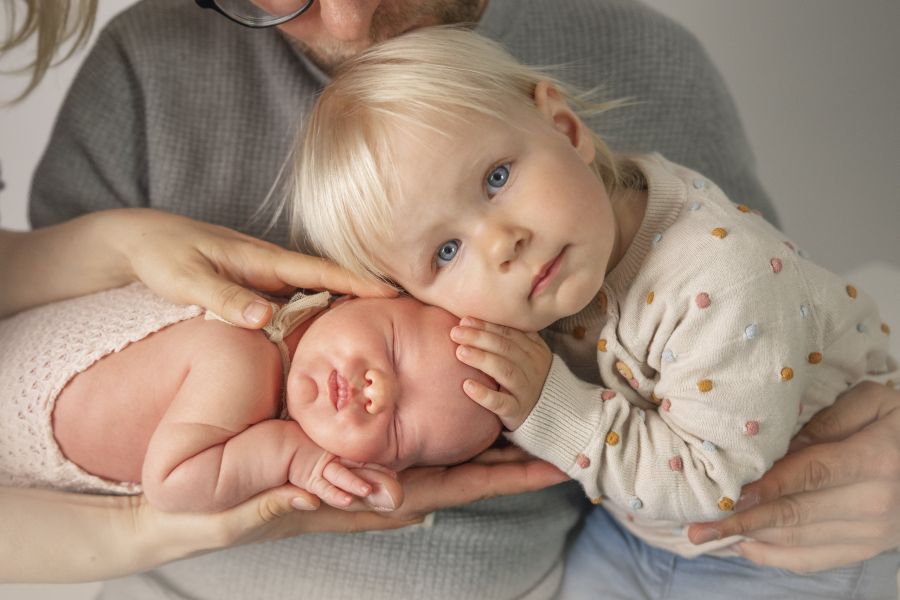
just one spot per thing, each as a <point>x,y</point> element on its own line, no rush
<point>447,252</point>
<point>497,178</point>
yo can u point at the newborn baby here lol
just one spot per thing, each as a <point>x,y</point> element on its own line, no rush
<point>121,388</point>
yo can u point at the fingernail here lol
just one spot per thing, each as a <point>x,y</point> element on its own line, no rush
<point>463,351</point>
<point>467,321</point>
<point>255,312</point>
<point>301,503</point>
<point>381,500</point>
<point>456,333</point>
<point>747,500</point>
<point>469,385</point>
<point>363,490</point>
<point>707,534</point>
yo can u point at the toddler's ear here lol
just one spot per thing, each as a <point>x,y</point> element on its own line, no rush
<point>555,109</point>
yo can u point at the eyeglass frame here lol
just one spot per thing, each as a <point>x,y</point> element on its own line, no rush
<point>213,5</point>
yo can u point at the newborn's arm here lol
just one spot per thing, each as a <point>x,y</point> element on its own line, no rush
<point>218,443</point>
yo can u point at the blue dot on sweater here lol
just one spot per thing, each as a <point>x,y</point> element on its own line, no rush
<point>860,328</point>
<point>668,356</point>
<point>699,184</point>
<point>694,206</point>
<point>751,331</point>
<point>657,238</point>
<point>709,446</point>
<point>804,311</point>
<point>635,503</point>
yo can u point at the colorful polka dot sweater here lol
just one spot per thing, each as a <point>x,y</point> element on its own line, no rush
<point>715,341</point>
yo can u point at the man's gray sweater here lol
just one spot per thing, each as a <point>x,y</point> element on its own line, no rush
<point>178,109</point>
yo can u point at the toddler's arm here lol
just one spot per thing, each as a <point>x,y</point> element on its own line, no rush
<point>728,397</point>
<point>218,445</point>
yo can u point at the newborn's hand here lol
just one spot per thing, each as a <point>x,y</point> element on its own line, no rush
<point>517,361</point>
<point>386,495</point>
<point>337,482</point>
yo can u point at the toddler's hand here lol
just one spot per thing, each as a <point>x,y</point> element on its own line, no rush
<point>518,362</point>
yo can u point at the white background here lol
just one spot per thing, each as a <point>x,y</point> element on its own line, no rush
<point>817,83</point>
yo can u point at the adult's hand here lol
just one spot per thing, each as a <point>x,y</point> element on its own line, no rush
<point>834,498</point>
<point>495,472</point>
<point>183,260</point>
<point>192,262</point>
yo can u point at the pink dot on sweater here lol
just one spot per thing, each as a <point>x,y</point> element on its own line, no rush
<point>582,461</point>
<point>751,427</point>
<point>676,464</point>
<point>634,383</point>
<point>776,265</point>
<point>703,300</point>
<point>607,395</point>
<point>666,404</point>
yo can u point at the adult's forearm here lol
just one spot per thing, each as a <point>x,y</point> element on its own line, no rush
<point>50,536</point>
<point>62,261</point>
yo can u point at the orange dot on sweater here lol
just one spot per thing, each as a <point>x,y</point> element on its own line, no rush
<point>703,300</point>
<point>612,438</point>
<point>851,291</point>
<point>886,328</point>
<point>726,503</point>
<point>624,371</point>
<point>787,374</point>
<point>751,427</point>
<point>578,332</point>
<point>582,461</point>
<point>743,208</point>
<point>601,345</point>
<point>814,358</point>
<point>597,500</point>
<point>654,398</point>
<point>704,385</point>
<point>602,301</point>
<point>719,232</point>
<point>650,297</point>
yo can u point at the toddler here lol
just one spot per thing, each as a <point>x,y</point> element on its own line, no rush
<point>690,339</point>
<point>121,391</point>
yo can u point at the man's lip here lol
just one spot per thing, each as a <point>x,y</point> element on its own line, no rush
<point>546,274</point>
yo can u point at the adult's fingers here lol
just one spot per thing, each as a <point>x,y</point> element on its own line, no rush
<point>868,533</point>
<point>300,270</point>
<point>852,411</point>
<point>804,559</point>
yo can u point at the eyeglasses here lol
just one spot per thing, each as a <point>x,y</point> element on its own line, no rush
<point>250,14</point>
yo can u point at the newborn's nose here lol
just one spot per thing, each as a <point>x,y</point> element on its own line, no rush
<point>377,391</point>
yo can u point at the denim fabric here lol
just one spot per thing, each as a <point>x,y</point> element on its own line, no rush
<point>605,561</point>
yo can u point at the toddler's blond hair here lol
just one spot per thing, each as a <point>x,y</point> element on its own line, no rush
<point>341,186</point>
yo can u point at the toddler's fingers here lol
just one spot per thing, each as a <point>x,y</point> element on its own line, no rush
<point>500,403</point>
<point>506,372</point>
<point>489,342</point>
<point>342,477</point>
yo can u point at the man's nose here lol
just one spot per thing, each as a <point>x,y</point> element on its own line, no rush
<point>378,391</point>
<point>347,20</point>
<point>502,243</point>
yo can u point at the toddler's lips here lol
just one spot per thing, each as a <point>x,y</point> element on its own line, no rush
<point>546,274</point>
<point>338,390</point>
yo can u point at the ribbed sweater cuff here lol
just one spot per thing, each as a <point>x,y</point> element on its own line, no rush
<point>564,419</point>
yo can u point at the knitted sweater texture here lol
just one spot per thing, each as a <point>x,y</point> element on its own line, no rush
<point>715,341</point>
<point>178,109</point>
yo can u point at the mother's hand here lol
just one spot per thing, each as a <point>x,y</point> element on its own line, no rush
<point>834,498</point>
<point>191,262</point>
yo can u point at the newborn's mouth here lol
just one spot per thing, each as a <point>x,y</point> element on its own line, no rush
<point>338,390</point>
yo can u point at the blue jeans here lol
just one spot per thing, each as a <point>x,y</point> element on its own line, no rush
<point>605,561</point>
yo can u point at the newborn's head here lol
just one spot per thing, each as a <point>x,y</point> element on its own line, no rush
<point>377,380</point>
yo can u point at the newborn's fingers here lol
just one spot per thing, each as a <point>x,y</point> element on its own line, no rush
<point>342,477</point>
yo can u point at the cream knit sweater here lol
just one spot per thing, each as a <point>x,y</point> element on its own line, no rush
<point>716,340</point>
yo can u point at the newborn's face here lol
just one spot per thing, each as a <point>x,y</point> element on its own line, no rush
<point>377,380</point>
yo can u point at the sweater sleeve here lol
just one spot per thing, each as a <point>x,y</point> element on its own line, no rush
<point>737,358</point>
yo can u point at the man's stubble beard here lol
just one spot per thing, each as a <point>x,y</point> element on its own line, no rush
<point>390,21</point>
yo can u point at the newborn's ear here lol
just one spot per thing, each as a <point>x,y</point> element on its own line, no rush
<point>555,109</point>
